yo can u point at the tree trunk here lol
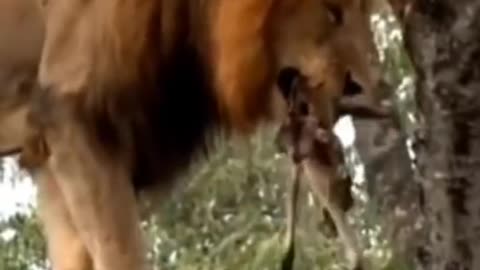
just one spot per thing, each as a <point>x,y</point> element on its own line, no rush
<point>443,40</point>
<point>393,195</point>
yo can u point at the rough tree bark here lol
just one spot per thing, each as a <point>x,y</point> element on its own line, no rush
<point>392,192</point>
<point>381,145</point>
<point>443,40</point>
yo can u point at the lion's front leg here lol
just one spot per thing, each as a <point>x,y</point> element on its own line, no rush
<point>65,248</point>
<point>101,201</point>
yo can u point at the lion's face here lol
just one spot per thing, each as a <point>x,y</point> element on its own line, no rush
<point>330,42</point>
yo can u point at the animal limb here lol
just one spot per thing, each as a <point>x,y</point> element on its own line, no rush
<point>318,150</point>
<point>287,262</point>
<point>320,179</point>
<point>66,249</point>
<point>101,202</point>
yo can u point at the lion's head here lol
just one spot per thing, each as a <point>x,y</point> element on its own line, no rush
<point>328,41</point>
<point>331,43</point>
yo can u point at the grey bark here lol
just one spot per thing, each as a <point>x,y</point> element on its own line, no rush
<point>393,195</point>
<point>443,40</point>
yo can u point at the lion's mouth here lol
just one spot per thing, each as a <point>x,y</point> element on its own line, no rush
<point>9,152</point>
<point>351,87</point>
<point>354,102</point>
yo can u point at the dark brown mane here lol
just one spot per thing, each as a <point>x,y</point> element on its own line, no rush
<point>179,121</point>
<point>159,125</point>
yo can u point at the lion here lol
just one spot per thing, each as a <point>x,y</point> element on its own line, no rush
<point>127,93</point>
<point>21,25</point>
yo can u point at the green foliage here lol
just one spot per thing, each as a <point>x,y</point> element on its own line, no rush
<point>227,213</point>
<point>231,214</point>
<point>22,246</point>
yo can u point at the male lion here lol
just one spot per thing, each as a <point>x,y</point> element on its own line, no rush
<point>21,38</point>
<point>130,90</point>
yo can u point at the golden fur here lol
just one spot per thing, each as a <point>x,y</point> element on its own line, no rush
<point>130,90</point>
<point>21,38</point>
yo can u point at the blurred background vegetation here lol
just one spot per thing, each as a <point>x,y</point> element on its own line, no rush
<point>230,211</point>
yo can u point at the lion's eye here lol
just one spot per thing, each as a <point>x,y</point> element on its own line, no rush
<point>335,14</point>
